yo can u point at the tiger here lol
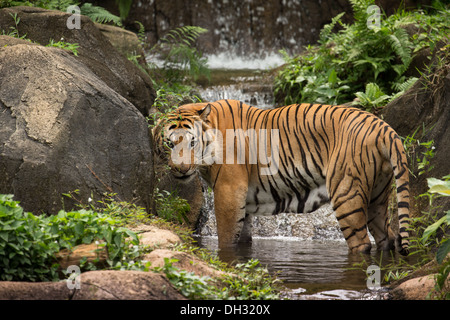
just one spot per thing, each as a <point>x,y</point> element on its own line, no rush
<point>339,155</point>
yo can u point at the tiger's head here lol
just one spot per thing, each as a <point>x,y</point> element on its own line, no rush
<point>180,139</point>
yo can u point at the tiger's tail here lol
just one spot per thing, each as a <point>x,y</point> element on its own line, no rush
<point>401,173</point>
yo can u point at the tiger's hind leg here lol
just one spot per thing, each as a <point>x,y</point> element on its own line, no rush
<point>352,223</point>
<point>350,208</point>
<point>378,218</point>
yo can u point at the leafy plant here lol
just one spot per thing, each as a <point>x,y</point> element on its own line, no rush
<point>344,61</point>
<point>412,144</point>
<point>372,98</point>
<point>124,7</point>
<point>438,232</point>
<point>429,230</point>
<point>171,207</point>
<point>72,47</point>
<point>14,31</point>
<point>396,275</point>
<point>188,283</point>
<point>26,250</point>
<point>252,282</point>
<point>441,187</point>
<point>246,281</point>
<point>167,101</point>
<point>29,243</point>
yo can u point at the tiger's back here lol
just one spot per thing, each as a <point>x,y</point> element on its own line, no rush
<point>320,154</point>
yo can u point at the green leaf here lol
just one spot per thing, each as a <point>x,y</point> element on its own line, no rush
<point>432,228</point>
<point>79,229</point>
<point>88,239</point>
<point>332,78</point>
<point>439,186</point>
<point>4,235</point>
<point>107,234</point>
<point>443,250</point>
<point>118,240</point>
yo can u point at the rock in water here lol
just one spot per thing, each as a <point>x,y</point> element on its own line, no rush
<point>62,128</point>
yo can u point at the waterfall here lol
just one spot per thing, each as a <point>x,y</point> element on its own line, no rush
<point>245,28</point>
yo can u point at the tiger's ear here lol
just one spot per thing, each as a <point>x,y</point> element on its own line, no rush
<point>204,113</point>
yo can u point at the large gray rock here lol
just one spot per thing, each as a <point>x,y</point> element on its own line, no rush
<point>95,50</point>
<point>96,285</point>
<point>14,290</point>
<point>125,285</point>
<point>62,128</point>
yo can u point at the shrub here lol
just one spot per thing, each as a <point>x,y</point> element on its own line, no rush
<point>28,243</point>
<point>247,281</point>
<point>344,61</point>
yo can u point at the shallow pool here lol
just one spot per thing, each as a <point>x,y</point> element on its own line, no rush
<point>308,267</point>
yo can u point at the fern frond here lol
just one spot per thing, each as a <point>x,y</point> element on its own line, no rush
<point>405,85</point>
<point>401,45</point>
<point>99,14</point>
<point>185,34</point>
<point>360,12</point>
<point>326,30</point>
<point>180,57</point>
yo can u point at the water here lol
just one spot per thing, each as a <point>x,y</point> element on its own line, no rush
<point>306,251</point>
<point>246,85</point>
<point>310,269</point>
<point>224,61</point>
<point>237,78</point>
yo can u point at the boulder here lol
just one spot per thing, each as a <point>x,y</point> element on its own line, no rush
<point>93,253</point>
<point>96,285</point>
<point>156,237</point>
<point>126,42</point>
<point>63,128</point>
<point>125,285</point>
<point>95,50</point>
<point>184,261</point>
<point>12,290</point>
<point>420,288</point>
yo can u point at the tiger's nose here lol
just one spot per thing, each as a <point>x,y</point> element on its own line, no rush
<point>183,168</point>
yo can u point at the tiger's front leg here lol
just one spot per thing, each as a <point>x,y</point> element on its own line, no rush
<point>229,205</point>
